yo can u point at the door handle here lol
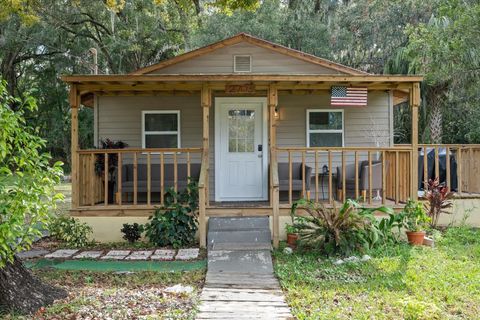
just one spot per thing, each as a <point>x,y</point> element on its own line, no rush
<point>260,155</point>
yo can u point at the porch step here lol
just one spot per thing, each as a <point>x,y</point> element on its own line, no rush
<point>245,233</point>
<point>240,246</point>
<point>234,223</point>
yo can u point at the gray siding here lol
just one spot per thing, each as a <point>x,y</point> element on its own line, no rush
<point>364,126</point>
<point>119,118</point>
<point>263,61</point>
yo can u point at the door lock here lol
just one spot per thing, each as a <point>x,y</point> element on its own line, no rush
<point>260,148</point>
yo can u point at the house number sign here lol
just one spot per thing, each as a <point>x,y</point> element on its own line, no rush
<point>240,88</point>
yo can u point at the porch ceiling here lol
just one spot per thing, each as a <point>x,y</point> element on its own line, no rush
<point>136,84</point>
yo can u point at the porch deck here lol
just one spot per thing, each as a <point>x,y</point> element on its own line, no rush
<point>381,176</point>
<point>237,208</point>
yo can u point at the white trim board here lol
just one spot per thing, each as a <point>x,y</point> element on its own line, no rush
<point>178,132</point>
<point>307,125</point>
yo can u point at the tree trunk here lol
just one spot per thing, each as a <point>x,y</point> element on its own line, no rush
<point>434,99</point>
<point>436,124</point>
<point>21,291</point>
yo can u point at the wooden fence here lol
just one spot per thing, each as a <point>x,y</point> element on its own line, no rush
<point>456,165</point>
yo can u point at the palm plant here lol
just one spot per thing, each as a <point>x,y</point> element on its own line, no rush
<point>339,230</point>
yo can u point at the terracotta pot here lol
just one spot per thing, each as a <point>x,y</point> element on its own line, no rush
<point>292,239</point>
<point>415,238</point>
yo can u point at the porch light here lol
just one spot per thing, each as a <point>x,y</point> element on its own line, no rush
<point>277,114</point>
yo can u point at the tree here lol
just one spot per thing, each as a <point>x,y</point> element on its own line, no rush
<point>444,50</point>
<point>27,197</point>
<point>42,39</point>
<point>367,34</point>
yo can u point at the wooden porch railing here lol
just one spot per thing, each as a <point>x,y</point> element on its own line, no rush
<point>121,177</point>
<point>345,172</point>
<point>456,165</point>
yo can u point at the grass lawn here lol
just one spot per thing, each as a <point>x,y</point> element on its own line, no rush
<point>108,295</point>
<point>64,206</point>
<point>399,282</point>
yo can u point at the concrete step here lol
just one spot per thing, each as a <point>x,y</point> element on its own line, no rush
<point>238,237</point>
<point>240,246</point>
<point>242,281</point>
<point>253,262</point>
<point>238,223</point>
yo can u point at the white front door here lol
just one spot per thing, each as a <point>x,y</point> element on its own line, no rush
<point>241,164</point>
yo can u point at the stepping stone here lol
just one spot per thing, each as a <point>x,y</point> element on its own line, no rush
<point>139,255</point>
<point>61,254</point>
<point>34,253</point>
<point>88,255</point>
<point>116,255</point>
<point>187,254</point>
<point>178,288</point>
<point>163,254</point>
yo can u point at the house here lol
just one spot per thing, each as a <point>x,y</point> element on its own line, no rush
<point>255,123</point>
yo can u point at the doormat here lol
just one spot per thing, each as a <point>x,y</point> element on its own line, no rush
<point>105,266</point>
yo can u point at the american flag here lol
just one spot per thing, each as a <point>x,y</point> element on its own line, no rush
<point>348,96</point>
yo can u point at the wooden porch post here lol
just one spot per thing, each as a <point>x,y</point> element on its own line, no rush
<point>274,187</point>
<point>206,102</point>
<point>415,103</point>
<point>206,97</point>
<point>74,104</point>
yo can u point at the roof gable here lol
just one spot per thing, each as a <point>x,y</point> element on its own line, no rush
<point>267,57</point>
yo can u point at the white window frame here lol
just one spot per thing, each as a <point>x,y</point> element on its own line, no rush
<point>159,133</point>
<point>342,131</point>
<point>235,63</point>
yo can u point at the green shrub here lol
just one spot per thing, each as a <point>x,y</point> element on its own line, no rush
<point>175,223</point>
<point>414,217</point>
<point>290,228</point>
<point>132,232</point>
<point>71,231</point>
<point>345,230</point>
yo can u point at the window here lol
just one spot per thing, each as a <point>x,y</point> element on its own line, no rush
<point>161,129</point>
<point>241,130</point>
<point>324,128</point>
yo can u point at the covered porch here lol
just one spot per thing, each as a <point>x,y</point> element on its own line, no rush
<point>377,175</point>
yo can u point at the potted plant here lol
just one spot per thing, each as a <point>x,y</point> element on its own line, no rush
<point>111,166</point>
<point>292,235</point>
<point>415,219</point>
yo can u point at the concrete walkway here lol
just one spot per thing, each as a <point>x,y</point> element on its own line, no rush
<point>240,285</point>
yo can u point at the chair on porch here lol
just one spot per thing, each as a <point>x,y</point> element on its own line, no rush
<point>362,179</point>
<point>155,183</point>
<point>297,178</point>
